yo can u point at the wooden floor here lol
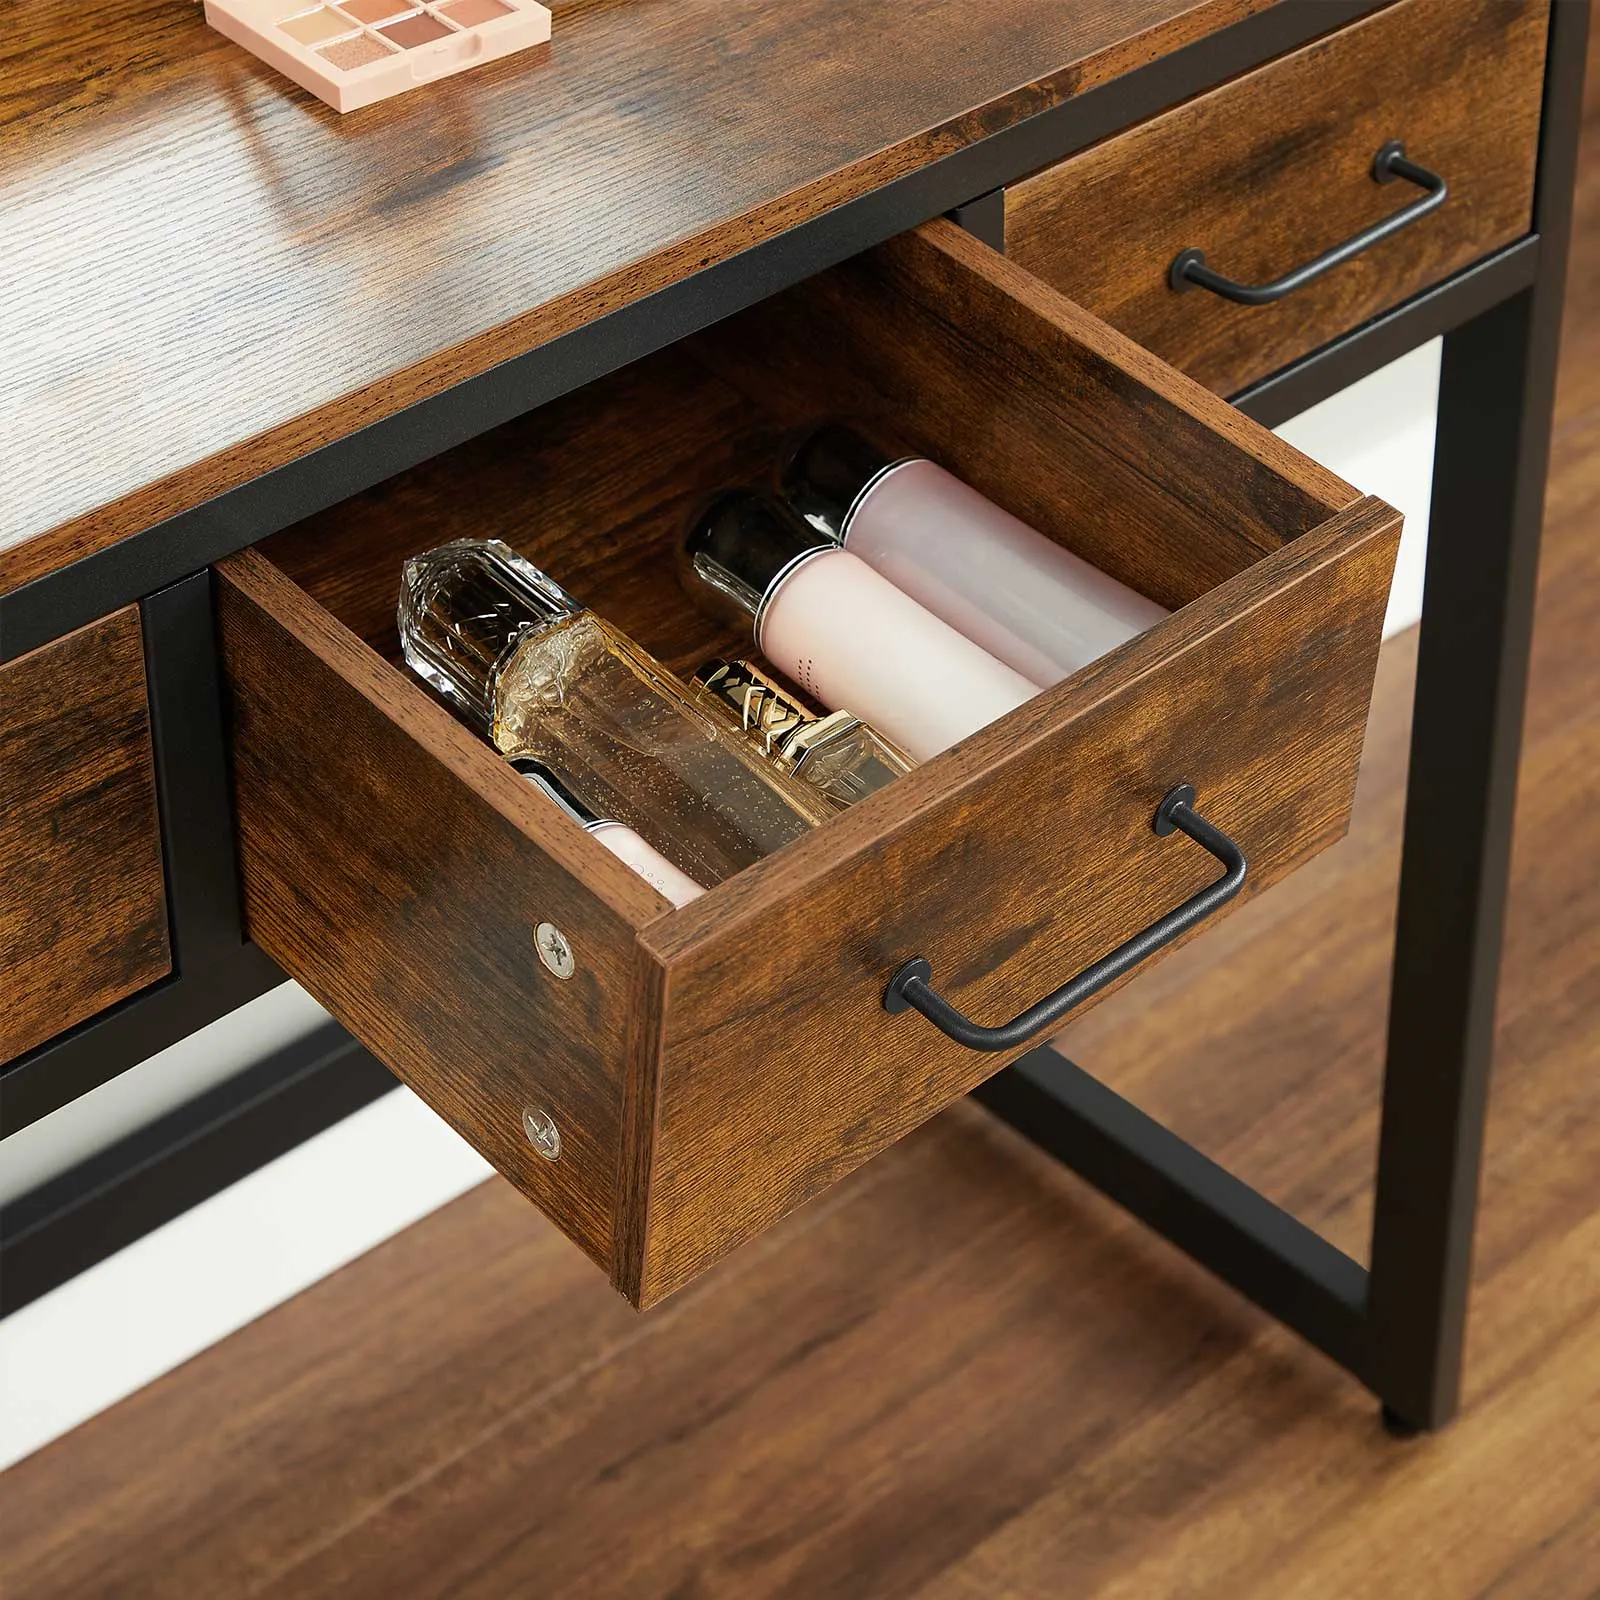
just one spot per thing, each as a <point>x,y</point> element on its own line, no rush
<point>961,1374</point>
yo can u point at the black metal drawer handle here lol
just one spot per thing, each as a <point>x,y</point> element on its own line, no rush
<point>1189,269</point>
<point>909,988</point>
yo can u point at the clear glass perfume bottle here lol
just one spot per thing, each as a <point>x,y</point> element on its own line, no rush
<point>838,755</point>
<point>548,681</point>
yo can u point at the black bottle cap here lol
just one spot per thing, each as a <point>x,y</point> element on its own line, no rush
<point>739,547</point>
<point>544,779</point>
<point>825,477</point>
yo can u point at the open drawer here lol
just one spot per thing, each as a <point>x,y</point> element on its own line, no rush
<point>710,1068</point>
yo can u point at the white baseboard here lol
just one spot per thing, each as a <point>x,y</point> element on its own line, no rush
<point>1379,435</point>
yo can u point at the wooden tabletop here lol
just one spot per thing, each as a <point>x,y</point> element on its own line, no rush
<point>207,273</point>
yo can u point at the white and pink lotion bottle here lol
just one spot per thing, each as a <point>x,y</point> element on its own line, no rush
<point>1032,604</point>
<point>842,631</point>
<point>627,846</point>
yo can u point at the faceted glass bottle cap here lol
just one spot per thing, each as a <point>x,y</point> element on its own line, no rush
<point>463,607</point>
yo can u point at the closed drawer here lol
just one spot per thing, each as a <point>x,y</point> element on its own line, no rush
<point>83,910</point>
<point>1275,168</point>
<point>713,1067</point>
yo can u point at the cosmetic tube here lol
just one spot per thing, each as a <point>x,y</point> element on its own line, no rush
<point>617,837</point>
<point>1022,597</point>
<point>846,635</point>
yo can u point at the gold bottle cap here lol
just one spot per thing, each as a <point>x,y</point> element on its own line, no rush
<point>773,719</point>
<point>838,753</point>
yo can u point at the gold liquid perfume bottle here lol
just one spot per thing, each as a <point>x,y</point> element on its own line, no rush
<point>548,681</point>
<point>838,755</point>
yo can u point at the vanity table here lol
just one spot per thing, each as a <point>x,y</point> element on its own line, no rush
<point>257,352</point>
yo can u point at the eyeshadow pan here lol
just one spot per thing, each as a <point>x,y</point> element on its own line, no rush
<point>352,53</point>
<point>315,26</point>
<point>414,31</point>
<point>470,13</point>
<point>376,10</point>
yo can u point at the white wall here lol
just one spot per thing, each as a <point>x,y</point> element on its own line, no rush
<point>154,1087</point>
<point>209,1272</point>
<point>1378,435</point>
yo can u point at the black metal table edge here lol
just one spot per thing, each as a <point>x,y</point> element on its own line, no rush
<point>107,1202</point>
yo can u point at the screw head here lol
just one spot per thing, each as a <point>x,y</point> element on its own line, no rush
<point>554,951</point>
<point>542,1132</point>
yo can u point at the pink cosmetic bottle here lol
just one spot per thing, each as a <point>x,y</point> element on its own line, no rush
<point>626,845</point>
<point>1026,600</point>
<point>841,631</point>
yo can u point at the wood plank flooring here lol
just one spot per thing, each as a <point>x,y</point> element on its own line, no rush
<point>962,1374</point>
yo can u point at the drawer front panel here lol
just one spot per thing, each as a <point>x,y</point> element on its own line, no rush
<point>714,1066</point>
<point>781,1072</point>
<point>1273,169</point>
<point>83,908</point>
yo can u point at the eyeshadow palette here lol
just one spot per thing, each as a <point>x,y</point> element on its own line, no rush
<point>352,52</point>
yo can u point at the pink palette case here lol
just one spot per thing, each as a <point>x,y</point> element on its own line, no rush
<point>352,52</point>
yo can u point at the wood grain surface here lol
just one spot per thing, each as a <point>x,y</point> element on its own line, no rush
<point>944,346</point>
<point>83,902</point>
<point>398,868</point>
<point>1273,168</point>
<point>1036,858</point>
<point>209,273</point>
<point>962,1375</point>
<point>596,488</point>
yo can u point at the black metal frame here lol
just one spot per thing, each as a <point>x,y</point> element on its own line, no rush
<point>1399,1325</point>
<point>101,1205</point>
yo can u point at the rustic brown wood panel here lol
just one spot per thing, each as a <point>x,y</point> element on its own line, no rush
<point>1107,450</point>
<point>950,348</point>
<point>1273,169</point>
<point>266,275</point>
<point>1093,440</point>
<point>397,867</point>
<point>962,1375</point>
<point>1034,857</point>
<point>83,903</point>
<point>596,488</point>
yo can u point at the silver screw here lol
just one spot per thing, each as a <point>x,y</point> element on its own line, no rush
<point>554,951</point>
<point>542,1132</point>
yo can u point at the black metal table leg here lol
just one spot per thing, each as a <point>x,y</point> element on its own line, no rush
<point>1399,1326</point>
<point>1497,389</point>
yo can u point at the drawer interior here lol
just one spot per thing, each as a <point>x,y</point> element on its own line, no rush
<point>713,1067</point>
<point>598,486</point>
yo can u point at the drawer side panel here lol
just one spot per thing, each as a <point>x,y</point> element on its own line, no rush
<point>386,868</point>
